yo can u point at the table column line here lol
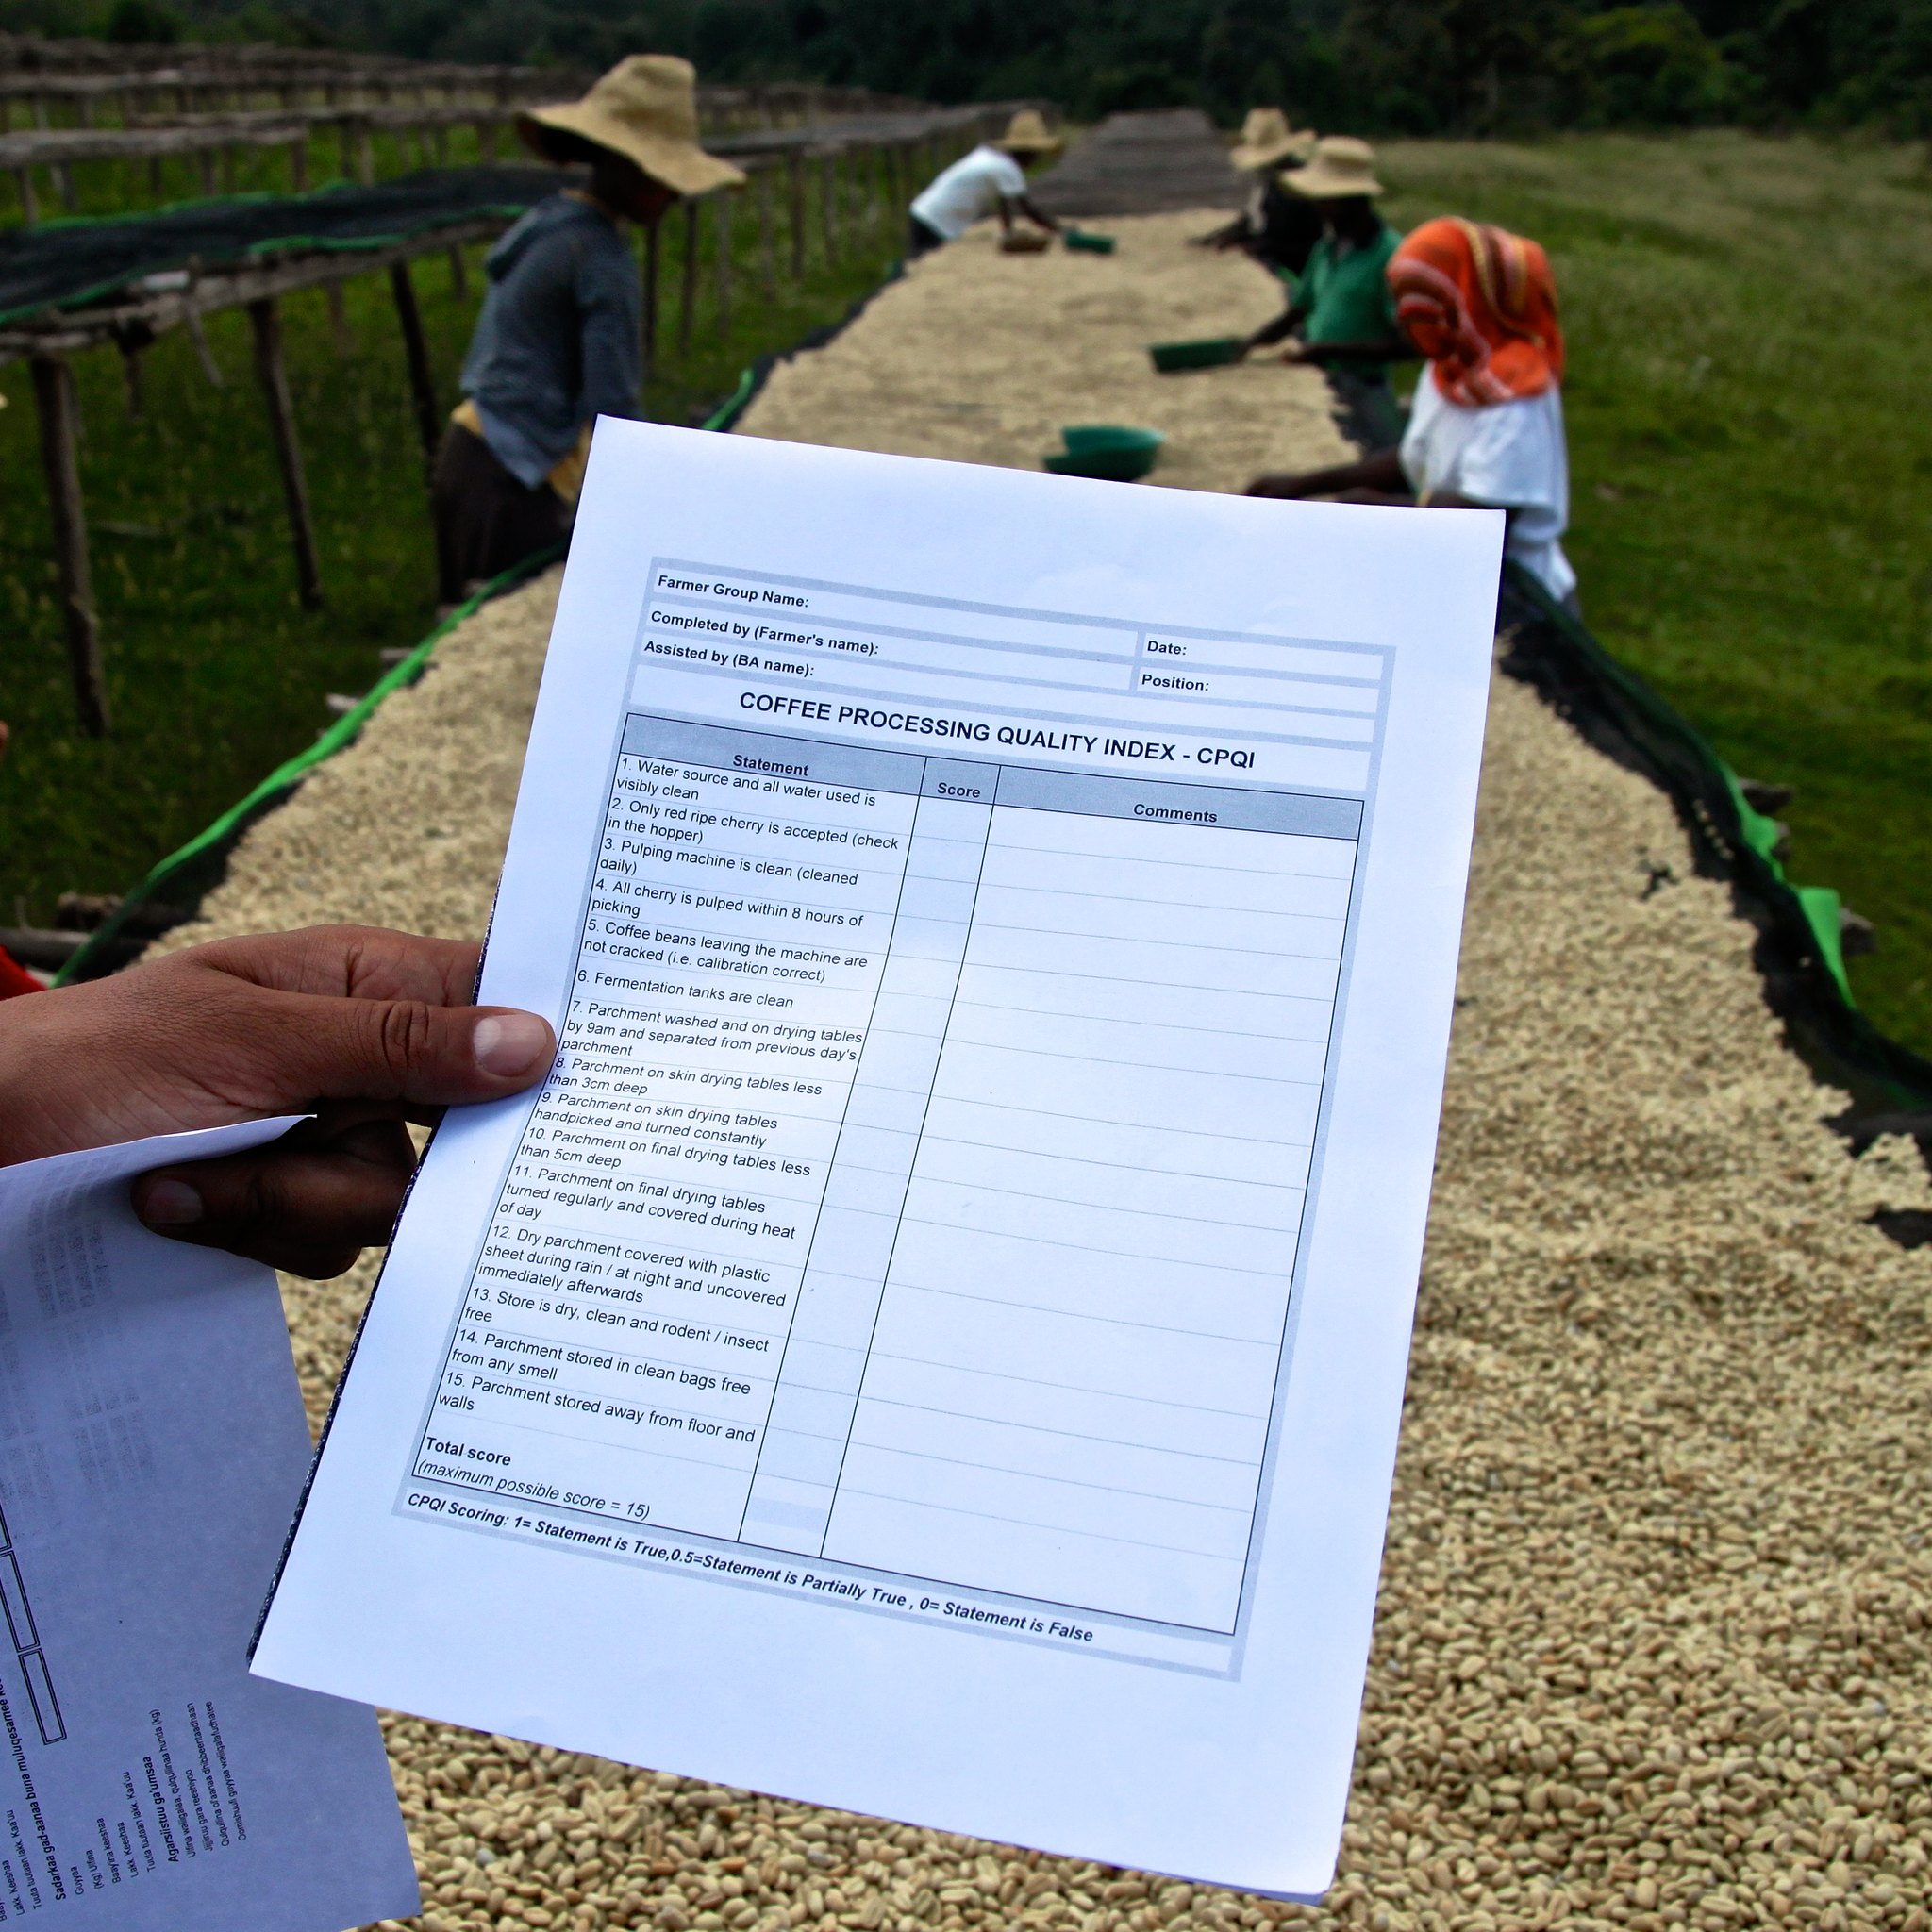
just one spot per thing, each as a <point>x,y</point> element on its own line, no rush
<point>918,1140</point>
<point>1323,1101</point>
<point>832,1161</point>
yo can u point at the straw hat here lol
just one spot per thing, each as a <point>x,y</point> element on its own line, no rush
<point>1027,134</point>
<point>646,110</point>
<point>1267,140</point>
<point>1343,166</point>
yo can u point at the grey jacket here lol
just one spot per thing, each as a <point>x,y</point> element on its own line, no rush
<point>556,343</point>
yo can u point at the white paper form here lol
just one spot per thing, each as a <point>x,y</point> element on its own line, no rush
<point>936,1343</point>
<point>152,1450</point>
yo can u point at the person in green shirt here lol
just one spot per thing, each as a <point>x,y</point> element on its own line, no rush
<point>1342,309</point>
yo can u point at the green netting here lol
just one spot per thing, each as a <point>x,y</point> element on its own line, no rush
<point>68,264</point>
<point>1800,950</point>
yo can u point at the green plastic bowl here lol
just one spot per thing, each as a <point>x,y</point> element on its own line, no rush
<point>1212,352</point>
<point>1107,450</point>
<point>1092,244</point>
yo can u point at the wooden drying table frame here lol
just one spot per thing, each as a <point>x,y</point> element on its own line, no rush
<point>354,104</point>
<point>133,317</point>
<point>136,318</point>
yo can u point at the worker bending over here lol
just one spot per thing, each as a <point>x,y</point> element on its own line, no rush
<point>556,344</point>
<point>989,180</point>
<point>1485,429</point>
<point>1278,229</point>
<point>1342,310</point>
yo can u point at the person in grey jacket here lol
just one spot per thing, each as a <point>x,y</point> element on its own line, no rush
<point>555,345</point>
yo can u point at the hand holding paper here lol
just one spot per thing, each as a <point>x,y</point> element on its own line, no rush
<point>366,1030</point>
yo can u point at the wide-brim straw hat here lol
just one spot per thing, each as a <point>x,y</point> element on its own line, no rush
<point>1267,140</point>
<point>1027,134</point>
<point>1343,166</point>
<point>646,110</point>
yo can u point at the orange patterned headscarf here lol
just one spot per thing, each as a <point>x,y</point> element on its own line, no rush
<point>1480,303</point>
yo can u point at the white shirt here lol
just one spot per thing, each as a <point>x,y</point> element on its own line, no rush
<point>970,188</point>
<point>1511,455</point>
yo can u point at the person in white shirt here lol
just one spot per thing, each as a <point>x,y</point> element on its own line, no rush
<point>989,180</point>
<point>1486,428</point>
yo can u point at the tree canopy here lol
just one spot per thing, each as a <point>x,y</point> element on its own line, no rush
<point>1383,66</point>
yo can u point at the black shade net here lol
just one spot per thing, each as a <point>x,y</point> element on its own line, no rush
<point>67,265</point>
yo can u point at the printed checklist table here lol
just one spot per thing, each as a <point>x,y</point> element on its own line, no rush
<point>1073,1177</point>
<point>882,1207</point>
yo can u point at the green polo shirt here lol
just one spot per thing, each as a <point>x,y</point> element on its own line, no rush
<point>1346,298</point>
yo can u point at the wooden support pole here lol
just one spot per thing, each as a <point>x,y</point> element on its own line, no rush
<point>131,354</point>
<point>365,156</point>
<point>653,263</point>
<point>339,330</point>
<point>721,205</point>
<point>688,293</point>
<point>30,201</point>
<point>228,169</point>
<point>61,461</point>
<point>198,335</point>
<point>416,350</point>
<point>795,181</point>
<point>768,252</point>
<point>828,204</point>
<point>346,144</point>
<point>298,166</point>
<point>63,180</point>
<point>458,273</point>
<point>265,318</point>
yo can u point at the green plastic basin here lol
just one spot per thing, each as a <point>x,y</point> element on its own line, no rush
<point>1090,243</point>
<point>1108,450</point>
<point>1211,352</point>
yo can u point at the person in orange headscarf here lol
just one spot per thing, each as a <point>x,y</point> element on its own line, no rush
<point>1486,428</point>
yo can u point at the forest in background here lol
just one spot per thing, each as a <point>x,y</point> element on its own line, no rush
<point>1484,67</point>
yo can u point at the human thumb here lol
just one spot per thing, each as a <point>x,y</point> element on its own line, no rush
<point>334,1048</point>
<point>511,1046</point>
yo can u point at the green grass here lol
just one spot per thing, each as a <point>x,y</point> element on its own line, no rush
<point>215,676</point>
<point>1752,472</point>
<point>1751,465</point>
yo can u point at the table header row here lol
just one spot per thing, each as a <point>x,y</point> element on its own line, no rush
<point>810,761</point>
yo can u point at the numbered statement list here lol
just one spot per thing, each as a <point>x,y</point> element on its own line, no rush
<point>882,1207</point>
